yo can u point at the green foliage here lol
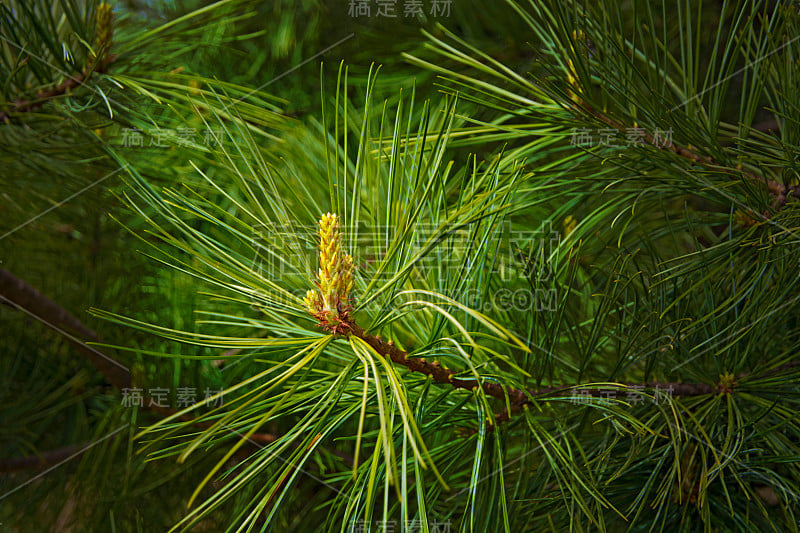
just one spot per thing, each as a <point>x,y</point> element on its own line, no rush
<point>576,267</point>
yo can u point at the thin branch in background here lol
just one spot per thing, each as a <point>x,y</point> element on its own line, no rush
<point>41,460</point>
<point>24,297</point>
<point>43,96</point>
<point>19,295</point>
<point>81,449</point>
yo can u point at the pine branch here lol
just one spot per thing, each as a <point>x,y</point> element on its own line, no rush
<point>43,96</point>
<point>780,192</point>
<point>97,64</point>
<point>41,460</point>
<point>24,297</point>
<point>330,305</point>
<point>518,398</point>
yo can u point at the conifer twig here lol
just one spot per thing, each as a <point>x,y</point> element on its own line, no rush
<point>73,82</point>
<point>330,305</point>
<point>780,192</point>
<point>41,460</point>
<point>19,295</point>
<point>518,398</point>
<point>98,63</point>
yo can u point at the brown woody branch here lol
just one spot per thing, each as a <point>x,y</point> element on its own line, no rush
<point>42,460</point>
<point>43,96</point>
<point>780,192</point>
<point>17,294</point>
<point>518,398</point>
<point>22,296</point>
<point>98,62</point>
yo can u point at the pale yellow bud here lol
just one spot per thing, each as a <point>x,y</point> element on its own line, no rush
<point>335,276</point>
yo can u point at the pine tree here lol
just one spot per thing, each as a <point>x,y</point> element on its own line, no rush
<point>536,271</point>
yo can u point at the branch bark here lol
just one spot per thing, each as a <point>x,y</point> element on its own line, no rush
<point>19,295</point>
<point>780,192</point>
<point>27,299</point>
<point>42,460</point>
<point>519,398</point>
<point>23,106</point>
